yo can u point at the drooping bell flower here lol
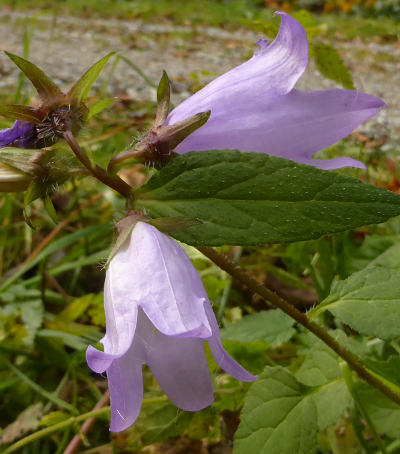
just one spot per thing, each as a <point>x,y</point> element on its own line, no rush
<point>41,126</point>
<point>157,313</point>
<point>254,107</point>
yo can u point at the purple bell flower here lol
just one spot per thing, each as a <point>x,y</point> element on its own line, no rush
<point>254,107</point>
<point>157,313</point>
<point>21,135</point>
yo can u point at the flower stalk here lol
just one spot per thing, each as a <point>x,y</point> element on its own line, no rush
<point>112,181</point>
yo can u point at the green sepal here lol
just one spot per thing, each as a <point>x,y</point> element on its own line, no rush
<point>99,106</point>
<point>48,204</point>
<point>80,91</point>
<point>163,100</point>
<point>34,192</point>
<point>46,88</point>
<point>22,113</point>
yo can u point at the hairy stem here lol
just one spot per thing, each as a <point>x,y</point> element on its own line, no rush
<point>251,283</point>
<point>112,181</point>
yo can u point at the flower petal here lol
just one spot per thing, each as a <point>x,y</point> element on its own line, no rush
<point>221,356</point>
<point>152,271</point>
<point>125,382</point>
<point>274,69</point>
<point>21,131</point>
<point>179,366</point>
<point>294,126</point>
<point>121,318</point>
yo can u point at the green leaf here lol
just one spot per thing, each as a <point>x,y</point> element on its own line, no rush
<point>384,413</point>
<point>46,88</point>
<point>272,326</point>
<point>369,301</point>
<point>252,198</point>
<point>389,369</point>
<point>99,106</point>
<point>330,64</point>
<point>81,89</point>
<point>282,416</point>
<point>22,113</point>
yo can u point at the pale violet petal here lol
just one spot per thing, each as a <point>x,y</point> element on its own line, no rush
<point>121,317</point>
<point>221,356</point>
<point>178,364</point>
<point>294,126</point>
<point>125,382</point>
<point>274,69</point>
<point>153,272</point>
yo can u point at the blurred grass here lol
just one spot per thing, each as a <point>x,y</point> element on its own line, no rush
<point>214,13</point>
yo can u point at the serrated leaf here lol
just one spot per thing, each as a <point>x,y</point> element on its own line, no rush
<point>22,113</point>
<point>99,106</point>
<point>369,300</point>
<point>45,87</point>
<point>282,416</point>
<point>330,64</point>
<point>252,198</point>
<point>81,88</point>
<point>272,326</point>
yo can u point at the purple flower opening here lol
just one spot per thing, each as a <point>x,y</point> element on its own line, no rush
<point>254,107</point>
<point>157,313</point>
<point>21,135</point>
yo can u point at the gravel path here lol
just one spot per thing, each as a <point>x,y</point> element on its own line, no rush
<point>65,48</point>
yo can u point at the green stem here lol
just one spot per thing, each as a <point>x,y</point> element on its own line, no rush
<point>46,394</point>
<point>227,289</point>
<point>61,425</point>
<point>350,386</point>
<point>69,422</point>
<point>252,284</point>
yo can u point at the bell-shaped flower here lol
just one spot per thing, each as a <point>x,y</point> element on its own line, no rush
<point>254,107</point>
<point>157,313</point>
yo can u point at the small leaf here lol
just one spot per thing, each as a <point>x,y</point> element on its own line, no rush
<point>369,300</point>
<point>252,198</point>
<point>272,326</point>
<point>330,64</point>
<point>46,88</point>
<point>22,113</point>
<point>80,91</point>
<point>163,99</point>
<point>99,106</point>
